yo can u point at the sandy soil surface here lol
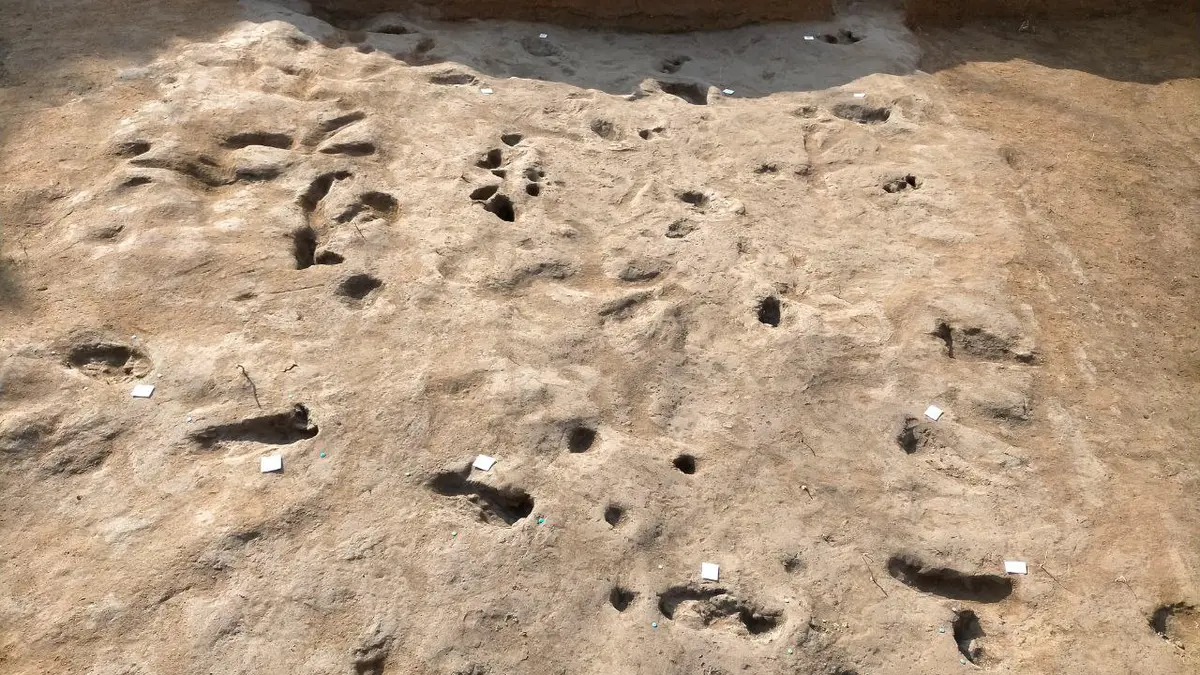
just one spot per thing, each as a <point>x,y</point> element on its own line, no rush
<point>693,292</point>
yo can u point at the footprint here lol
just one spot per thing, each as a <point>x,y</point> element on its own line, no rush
<point>975,342</point>
<point>901,184</point>
<point>264,138</point>
<point>453,78</point>
<point>281,428</point>
<point>705,606</point>
<point>495,505</point>
<point>692,92</point>
<point>673,64</point>
<point>604,129</point>
<point>863,114</point>
<point>948,583</point>
<point>647,134</point>
<point>842,37</point>
<point>306,253</point>
<point>357,287</point>
<point>104,358</point>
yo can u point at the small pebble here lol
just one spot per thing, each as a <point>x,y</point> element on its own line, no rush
<point>963,661</point>
<point>942,629</point>
<point>541,521</point>
<point>789,650</point>
<point>322,454</point>
<point>654,624</point>
<point>453,534</point>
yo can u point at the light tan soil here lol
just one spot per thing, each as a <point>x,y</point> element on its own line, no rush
<point>1003,225</point>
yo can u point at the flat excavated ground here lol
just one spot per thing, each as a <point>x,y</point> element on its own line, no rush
<point>693,292</point>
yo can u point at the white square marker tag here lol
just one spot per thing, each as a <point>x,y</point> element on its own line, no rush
<point>727,92</point>
<point>1015,567</point>
<point>486,90</point>
<point>810,37</point>
<point>484,463</point>
<point>709,571</point>
<point>143,390</point>
<point>271,464</point>
<point>860,95</point>
<point>543,35</point>
<point>933,412</point>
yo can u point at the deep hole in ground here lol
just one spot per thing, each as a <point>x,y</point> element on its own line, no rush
<point>770,311</point>
<point>580,439</point>
<point>328,258</point>
<point>966,630</point>
<point>948,583</point>
<point>685,463</point>
<point>511,139</point>
<point>350,149</point>
<point>613,514</point>
<point>281,428</point>
<point>507,505</point>
<point>693,197</point>
<point>621,598</point>
<point>333,124</point>
<point>132,148</point>
<point>901,184</point>
<point>696,94</point>
<point>502,207</point>
<point>452,77</point>
<point>792,563</point>
<point>358,286</point>
<point>533,189</point>
<point>381,202</point>
<point>767,167</point>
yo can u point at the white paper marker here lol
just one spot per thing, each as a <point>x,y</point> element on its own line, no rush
<point>860,96</point>
<point>485,91</point>
<point>271,464</point>
<point>143,391</point>
<point>933,412</point>
<point>484,463</point>
<point>709,571</point>
<point>1015,567</point>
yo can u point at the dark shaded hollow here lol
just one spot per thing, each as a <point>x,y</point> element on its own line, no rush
<point>484,193</point>
<point>693,197</point>
<point>685,463</point>
<point>696,94</point>
<point>647,134</point>
<point>910,438</point>
<point>1160,619</point>
<point>603,128</point>
<point>508,505</point>
<point>948,583</point>
<point>105,355</point>
<point>842,37</point>
<point>673,64</point>
<point>863,114</point>
<point>329,258</point>
<point>319,188</point>
<point>511,139</point>
<point>534,174</point>
<point>680,229</point>
<point>966,630</point>
<point>792,563</point>
<point>909,182</point>
<point>392,29</point>
<point>277,429</point>
<point>132,148</point>
<point>134,181</point>
<point>358,286</point>
<point>670,599</point>
<point>767,167</point>
<point>331,125</point>
<point>502,207</point>
<point>492,159</point>
<point>613,514</point>
<point>351,149</point>
<point>452,78</point>
<point>380,201</point>
<point>770,311</point>
<point>946,335</point>
<point>499,173</point>
<point>533,189</point>
<point>621,598</point>
<point>580,439</point>
<point>264,138</point>
<point>304,247</point>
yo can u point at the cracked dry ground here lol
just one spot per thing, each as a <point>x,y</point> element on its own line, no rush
<point>691,326</point>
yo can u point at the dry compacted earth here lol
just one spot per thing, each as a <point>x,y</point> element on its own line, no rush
<point>694,292</point>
